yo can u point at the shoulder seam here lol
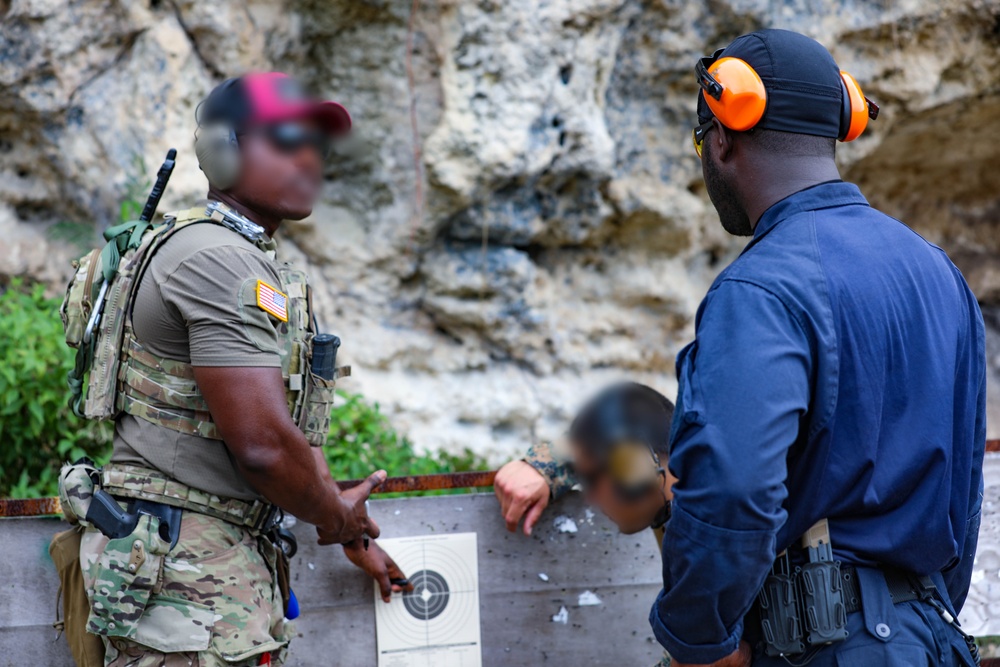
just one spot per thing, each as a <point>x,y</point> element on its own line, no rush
<point>767,290</point>
<point>204,250</point>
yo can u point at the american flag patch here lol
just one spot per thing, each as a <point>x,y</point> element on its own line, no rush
<point>272,301</point>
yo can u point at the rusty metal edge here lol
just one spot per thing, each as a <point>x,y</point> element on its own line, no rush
<point>28,507</point>
<point>25,507</point>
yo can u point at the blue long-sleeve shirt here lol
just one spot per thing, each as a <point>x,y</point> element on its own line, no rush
<point>838,371</point>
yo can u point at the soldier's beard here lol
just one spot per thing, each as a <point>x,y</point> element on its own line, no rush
<point>726,201</point>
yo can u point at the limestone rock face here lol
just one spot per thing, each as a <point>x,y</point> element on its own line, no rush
<point>519,216</point>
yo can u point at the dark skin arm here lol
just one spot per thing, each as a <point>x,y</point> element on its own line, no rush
<point>376,563</point>
<point>248,406</point>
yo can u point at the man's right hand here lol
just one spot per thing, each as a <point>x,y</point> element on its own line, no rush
<point>354,522</point>
<point>523,493</point>
<point>249,407</point>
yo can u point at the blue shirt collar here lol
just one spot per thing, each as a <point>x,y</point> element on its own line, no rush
<point>825,195</point>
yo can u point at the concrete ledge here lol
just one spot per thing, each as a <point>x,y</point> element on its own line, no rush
<point>338,615</point>
<point>337,603</point>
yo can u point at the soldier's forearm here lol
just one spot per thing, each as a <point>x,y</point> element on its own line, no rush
<point>294,476</point>
<point>248,406</point>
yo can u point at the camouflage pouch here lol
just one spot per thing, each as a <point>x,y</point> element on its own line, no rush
<point>76,488</point>
<point>315,418</point>
<point>78,303</point>
<point>124,578</point>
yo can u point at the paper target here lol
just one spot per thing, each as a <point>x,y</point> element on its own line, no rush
<point>437,625</point>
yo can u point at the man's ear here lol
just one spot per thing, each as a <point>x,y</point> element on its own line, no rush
<point>723,138</point>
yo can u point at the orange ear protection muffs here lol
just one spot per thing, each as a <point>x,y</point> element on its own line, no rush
<point>856,109</point>
<point>736,95</point>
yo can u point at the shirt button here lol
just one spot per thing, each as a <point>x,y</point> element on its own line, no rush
<point>882,630</point>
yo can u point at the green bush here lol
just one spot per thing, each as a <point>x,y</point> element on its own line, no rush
<point>362,441</point>
<point>37,429</point>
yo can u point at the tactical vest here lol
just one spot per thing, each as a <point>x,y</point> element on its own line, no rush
<point>124,377</point>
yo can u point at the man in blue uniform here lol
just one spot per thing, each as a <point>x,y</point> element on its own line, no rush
<point>838,373</point>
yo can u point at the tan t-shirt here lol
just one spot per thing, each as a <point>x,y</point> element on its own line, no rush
<point>196,304</point>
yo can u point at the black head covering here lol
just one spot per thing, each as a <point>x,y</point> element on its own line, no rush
<point>804,90</point>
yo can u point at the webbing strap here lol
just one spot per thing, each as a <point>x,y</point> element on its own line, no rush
<point>130,481</point>
<point>84,356</point>
<point>121,238</point>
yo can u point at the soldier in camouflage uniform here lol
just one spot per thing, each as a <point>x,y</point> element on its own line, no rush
<point>548,471</point>
<point>216,403</point>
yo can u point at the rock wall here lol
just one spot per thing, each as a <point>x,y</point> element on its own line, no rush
<point>519,216</point>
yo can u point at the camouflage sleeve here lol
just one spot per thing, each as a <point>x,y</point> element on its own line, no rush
<point>664,661</point>
<point>553,465</point>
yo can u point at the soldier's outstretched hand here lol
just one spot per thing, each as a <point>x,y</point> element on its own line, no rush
<point>523,493</point>
<point>379,566</point>
<point>356,519</point>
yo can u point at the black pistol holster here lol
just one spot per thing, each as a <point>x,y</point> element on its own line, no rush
<point>107,515</point>
<point>803,607</point>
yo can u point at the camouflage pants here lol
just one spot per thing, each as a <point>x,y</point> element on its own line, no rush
<point>215,601</point>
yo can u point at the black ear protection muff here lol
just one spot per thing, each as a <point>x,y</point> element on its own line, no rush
<point>736,95</point>
<point>217,149</point>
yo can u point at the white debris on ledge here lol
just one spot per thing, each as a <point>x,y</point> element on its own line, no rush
<point>590,515</point>
<point>564,524</point>
<point>562,616</point>
<point>543,576</point>
<point>588,599</point>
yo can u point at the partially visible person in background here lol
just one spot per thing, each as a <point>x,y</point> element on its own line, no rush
<point>616,450</point>
<point>221,400</point>
<point>830,421</point>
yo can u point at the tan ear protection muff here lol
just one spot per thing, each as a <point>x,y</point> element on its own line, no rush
<point>218,155</point>
<point>736,95</point>
<point>634,468</point>
<point>856,109</point>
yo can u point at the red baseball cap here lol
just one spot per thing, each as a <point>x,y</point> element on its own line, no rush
<point>268,98</point>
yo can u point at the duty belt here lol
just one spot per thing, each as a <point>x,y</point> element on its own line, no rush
<point>902,587</point>
<point>136,482</point>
